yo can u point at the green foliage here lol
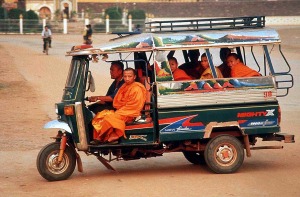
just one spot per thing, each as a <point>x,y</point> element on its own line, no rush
<point>15,13</point>
<point>114,13</point>
<point>31,15</point>
<point>2,13</point>
<point>137,14</point>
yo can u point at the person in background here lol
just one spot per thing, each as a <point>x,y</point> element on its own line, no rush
<point>109,126</point>
<point>137,29</point>
<point>105,102</point>
<point>178,74</point>
<point>47,36</point>
<point>207,74</point>
<point>193,68</point>
<point>224,68</point>
<point>87,34</point>
<point>238,69</point>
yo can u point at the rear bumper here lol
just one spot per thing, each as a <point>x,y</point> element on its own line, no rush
<point>287,138</point>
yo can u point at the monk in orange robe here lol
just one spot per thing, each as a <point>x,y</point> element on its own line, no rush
<point>178,74</point>
<point>238,69</point>
<point>207,74</point>
<point>109,126</point>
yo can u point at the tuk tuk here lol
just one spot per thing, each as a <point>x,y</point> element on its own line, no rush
<point>212,121</point>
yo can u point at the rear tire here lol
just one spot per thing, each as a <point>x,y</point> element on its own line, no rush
<point>196,158</point>
<point>224,154</point>
<point>46,162</point>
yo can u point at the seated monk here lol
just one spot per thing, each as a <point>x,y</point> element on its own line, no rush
<point>207,71</point>
<point>178,74</point>
<point>109,126</point>
<point>238,69</point>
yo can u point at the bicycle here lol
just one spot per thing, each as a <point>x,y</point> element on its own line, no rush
<point>46,45</point>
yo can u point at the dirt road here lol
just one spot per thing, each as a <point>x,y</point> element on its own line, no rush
<point>30,84</point>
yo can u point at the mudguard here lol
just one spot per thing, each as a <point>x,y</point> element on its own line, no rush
<point>56,124</point>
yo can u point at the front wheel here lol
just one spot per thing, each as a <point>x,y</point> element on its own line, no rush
<point>47,162</point>
<point>224,154</point>
<point>47,47</point>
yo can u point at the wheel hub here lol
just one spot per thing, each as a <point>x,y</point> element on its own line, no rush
<point>54,166</point>
<point>225,154</point>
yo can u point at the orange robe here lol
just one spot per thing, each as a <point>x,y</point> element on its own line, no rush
<point>129,101</point>
<point>180,75</point>
<point>208,75</point>
<point>241,70</point>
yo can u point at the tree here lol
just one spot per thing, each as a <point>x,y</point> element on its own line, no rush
<point>15,13</point>
<point>114,13</point>
<point>31,15</point>
<point>2,13</point>
<point>137,14</point>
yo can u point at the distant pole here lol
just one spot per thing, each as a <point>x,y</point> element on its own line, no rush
<point>107,23</point>
<point>65,24</point>
<point>44,22</point>
<point>21,24</point>
<point>86,20</point>
<point>129,23</point>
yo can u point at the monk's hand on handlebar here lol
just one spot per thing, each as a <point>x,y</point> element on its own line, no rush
<point>92,98</point>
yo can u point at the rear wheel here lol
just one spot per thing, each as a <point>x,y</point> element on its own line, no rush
<point>196,158</point>
<point>47,162</point>
<point>224,154</point>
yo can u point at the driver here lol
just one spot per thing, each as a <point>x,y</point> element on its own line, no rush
<point>105,102</point>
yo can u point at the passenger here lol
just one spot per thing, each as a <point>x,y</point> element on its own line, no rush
<point>238,69</point>
<point>193,68</point>
<point>207,71</point>
<point>178,74</point>
<point>105,102</point>
<point>109,126</point>
<point>224,68</point>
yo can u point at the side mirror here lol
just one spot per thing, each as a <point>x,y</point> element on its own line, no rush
<point>91,83</point>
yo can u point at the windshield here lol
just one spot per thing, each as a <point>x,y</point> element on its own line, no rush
<point>73,72</point>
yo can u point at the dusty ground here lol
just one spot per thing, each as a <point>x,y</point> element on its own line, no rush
<point>30,84</point>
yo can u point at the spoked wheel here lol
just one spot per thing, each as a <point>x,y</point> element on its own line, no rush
<point>48,166</point>
<point>224,154</point>
<point>196,158</point>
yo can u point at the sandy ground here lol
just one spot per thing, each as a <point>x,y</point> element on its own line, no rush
<point>30,84</point>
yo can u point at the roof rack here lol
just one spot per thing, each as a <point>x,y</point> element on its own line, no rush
<point>205,24</point>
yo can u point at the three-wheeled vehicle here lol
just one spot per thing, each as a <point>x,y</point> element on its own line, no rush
<point>211,121</point>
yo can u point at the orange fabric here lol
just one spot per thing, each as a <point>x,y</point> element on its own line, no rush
<point>208,75</point>
<point>129,101</point>
<point>241,70</point>
<point>179,75</point>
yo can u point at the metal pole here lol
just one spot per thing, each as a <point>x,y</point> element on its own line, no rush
<point>107,23</point>
<point>21,24</point>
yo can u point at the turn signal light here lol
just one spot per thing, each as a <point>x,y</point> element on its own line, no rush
<point>69,110</point>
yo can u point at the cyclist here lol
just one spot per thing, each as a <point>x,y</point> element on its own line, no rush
<point>46,35</point>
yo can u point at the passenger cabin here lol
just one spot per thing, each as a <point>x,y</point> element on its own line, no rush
<point>172,102</point>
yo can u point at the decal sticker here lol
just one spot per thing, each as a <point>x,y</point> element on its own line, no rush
<point>138,137</point>
<point>268,112</point>
<point>184,125</point>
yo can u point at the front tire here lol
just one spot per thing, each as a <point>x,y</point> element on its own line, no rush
<point>224,154</point>
<point>47,166</point>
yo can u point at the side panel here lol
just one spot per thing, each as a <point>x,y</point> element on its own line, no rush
<point>189,123</point>
<point>185,108</point>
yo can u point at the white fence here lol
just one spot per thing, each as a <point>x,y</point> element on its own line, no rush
<point>22,26</point>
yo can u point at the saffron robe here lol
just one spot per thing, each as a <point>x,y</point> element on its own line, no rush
<point>241,70</point>
<point>208,75</point>
<point>180,75</point>
<point>128,102</point>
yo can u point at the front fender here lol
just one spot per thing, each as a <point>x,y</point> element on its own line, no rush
<point>56,124</point>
